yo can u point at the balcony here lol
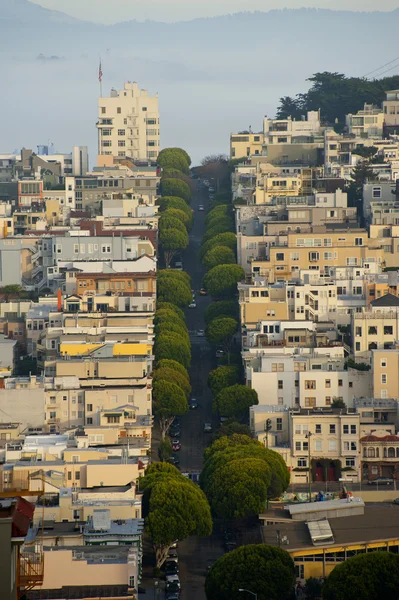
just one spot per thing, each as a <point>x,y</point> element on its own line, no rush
<point>31,569</point>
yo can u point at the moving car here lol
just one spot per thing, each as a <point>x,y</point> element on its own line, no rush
<point>193,304</point>
<point>193,403</point>
<point>203,292</point>
<point>201,207</point>
<point>179,265</point>
<point>380,481</point>
<point>219,353</point>
<point>207,428</point>
<point>201,332</point>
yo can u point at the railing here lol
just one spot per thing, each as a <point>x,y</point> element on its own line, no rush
<point>31,569</point>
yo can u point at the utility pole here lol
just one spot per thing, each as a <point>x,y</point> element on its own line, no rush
<point>308,436</point>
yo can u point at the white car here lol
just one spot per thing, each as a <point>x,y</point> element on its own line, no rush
<point>193,304</point>
<point>179,265</point>
<point>201,333</point>
<point>201,207</point>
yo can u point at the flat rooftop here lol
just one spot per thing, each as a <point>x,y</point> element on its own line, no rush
<point>379,522</point>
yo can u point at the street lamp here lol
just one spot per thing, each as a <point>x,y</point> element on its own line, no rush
<point>249,592</point>
<point>308,436</point>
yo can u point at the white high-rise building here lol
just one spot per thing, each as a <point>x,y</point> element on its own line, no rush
<point>128,124</point>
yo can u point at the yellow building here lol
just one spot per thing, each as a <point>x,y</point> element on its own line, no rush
<point>319,250</point>
<point>245,143</point>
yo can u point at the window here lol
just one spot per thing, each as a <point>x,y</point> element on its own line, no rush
<point>90,408</point>
<point>302,462</point>
<point>113,419</point>
<point>305,446</point>
<point>328,383</point>
<point>346,429</point>
<point>384,378</point>
<point>119,110</point>
<point>388,330</point>
<point>69,475</point>
<point>298,446</point>
<point>144,109</point>
<point>103,110</point>
<point>357,346</point>
<point>358,241</point>
<point>328,256</point>
<point>383,362</point>
<point>105,249</point>
<point>351,262</point>
<point>294,255</point>
<point>121,132</point>
<point>376,192</point>
<point>279,424</point>
<point>350,462</point>
<point>280,384</point>
<point>131,581</point>
<point>280,256</point>
<point>318,428</point>
<point>332,429</point>
<point>372,330</point>
<point>332,445</point>
<point>310,384</point>
<point>353,429</point>
<point>121,143</point>
<point>313,256</point>
<point>318,445</point>
<point>310,402</point>
<point>353,446</point>
<point>89,421</point>
<point>358,331</point>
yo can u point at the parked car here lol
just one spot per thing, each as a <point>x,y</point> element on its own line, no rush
<point>193,403</point>
<point>171,568</point>
<point>211,189</point>
<point>179,265</point>
<point>201,333</point>
<point>173,587</point>
<point>172,554</point>
<point>173,460</point>
<point>207,428</point>
<point>396,501</point>
<point>380,481</point>
<point>219,353</point>
<point>173,578</point>
<point>193,304</point>
<point>176,445</point>
<point>174,432</point>
<point>203,292</point>
<point>172,596</point>
<point>201,207</point>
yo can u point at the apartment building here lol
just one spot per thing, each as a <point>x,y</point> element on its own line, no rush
<point>306,380</point>
<point>246,143</point>
<point>385,369</point>
<point>377,328</point>
<point>390,107</point>
<point>317,250</point>
<point>367,122</point>
<point>329,437</point>
<point>128,124</point>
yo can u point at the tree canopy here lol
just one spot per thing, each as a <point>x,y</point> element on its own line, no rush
<point>171,346</point>
<point>174,290</point>
<point>222,280</point>
<point>173,364</point>
<point>174,508</point>
<point>169,306</point>
<point>174,158</point>
<point>172,376</point>
<point>218,255</point>
<point>228,239</point>
<point>267,571</point>
<point>221,331</point>
<point>179,214</point>
<point>336,96</point>
<point>170,221</point>
<point>223,225</point>
<point>176,187</point>
<point>223,377</point>
<point>165,202</point>
<point>366,576</point>
<point>224,485</point>
<point>169,401</point>
<point>173,239</point>
<point>224,308</point>
<point>235,400</point>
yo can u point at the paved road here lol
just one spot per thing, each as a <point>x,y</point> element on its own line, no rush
<point>335,486</point>
<point>195,554</point>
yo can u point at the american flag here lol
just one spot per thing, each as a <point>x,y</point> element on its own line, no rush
<point>100,73</point>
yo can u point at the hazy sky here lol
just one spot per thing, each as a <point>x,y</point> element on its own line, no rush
<point>174,10</point>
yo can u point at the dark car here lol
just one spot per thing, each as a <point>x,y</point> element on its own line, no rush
<point>173,460</point>
<point>380,481</point>
<point>173,586</point>
<point>193,403</point>
<point>176,446</point>
<point>172,596</point>
<point>174,433</point>
<point>172,569</point>
<point>396,501</point>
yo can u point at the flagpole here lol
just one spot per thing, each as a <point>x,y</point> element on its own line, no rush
<point>100,79</point>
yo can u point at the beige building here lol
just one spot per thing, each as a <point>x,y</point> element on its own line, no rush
<point>128,124</point>
<point>390,106</point>
<point>367,122</point>
<point>333,436</point>
<point>385,369</point>
<point>377,328</point>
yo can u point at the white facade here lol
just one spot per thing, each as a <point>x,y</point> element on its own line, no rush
<point>128,124</point>
<point>280,131</point>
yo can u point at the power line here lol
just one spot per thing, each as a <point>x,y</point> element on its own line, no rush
<point>387,70</point>
<point>382,66</point>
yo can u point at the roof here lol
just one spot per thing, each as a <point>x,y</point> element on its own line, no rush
<point>386,300</point>
<point>376,438</point>
<point>21,514</point>
<point>379,522</point>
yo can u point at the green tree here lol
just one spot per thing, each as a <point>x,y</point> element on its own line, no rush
<point>235,400</point>
<point>232,427</point>
<point>337,403</point>
<point>167,315</point>
<point>221,210</point>
<point>224,308</point>
<point>216,167</point>
<point>267,571</point>
<point>223,377</point>
<point>169,306</point>
<point>173,364</point>
<point>172,240</point>
<point>228,239</point>
<point>169,401</point>
<point>222,280</point>
<point>173,347</point>
<point>168,221</point>
<point>224,225</point>
<point>176,187</point>
<point>313,588</point>
<point>218,255</point>
<point>166,327</point>
<point>175,174</point>
<point>174,508</point>
<point>167,202</point>
<point>290,107</point>
<point>165,449</point>
<point>174,158</point>
<point>173,376</point>
<point>179,214</point>
<point>220,331</point>
<point>170,289</point>
<point>366,576</point>
<point>174,274</point>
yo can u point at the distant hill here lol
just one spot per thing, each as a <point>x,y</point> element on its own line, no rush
<point>213,75</point>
